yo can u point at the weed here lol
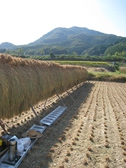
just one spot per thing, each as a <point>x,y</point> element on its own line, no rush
<point>94,119</point>
<point>105,132</point>
<point>82,123</point>
<point>66,159</point>
<point>76,138</point>
<point>121,135</point>
<point>107,159</point>
<point>63,137</point>
<point>107,145</point>
<point>92,134</point>
<point>106,140</point>
<point>49,155</point>
<point>64,132</point>
<point>122,142</point>
<point>61,166</point>
<point>71,148</point>
<point>56,145</point>
<point>91,138</point>
<point>124,153</point>
<point>66,129</point>
<point>90,149</point>
<point>68,153</point>
<point>88,155</point>
<point>73,143</point>
<point>105,125</point>
<point>52,150</point>
<point>79,131</point>
<point>121,138</point>
<point>85,162</point>
<point>42,163</point>
<point>93,127</point>
<point>60,140</point>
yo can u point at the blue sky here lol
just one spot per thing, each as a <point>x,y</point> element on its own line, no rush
<point>24,21</point>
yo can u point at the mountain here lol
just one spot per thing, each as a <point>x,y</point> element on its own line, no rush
<point>61,35</point>
<point>74,40</point>
<point>7,45</point>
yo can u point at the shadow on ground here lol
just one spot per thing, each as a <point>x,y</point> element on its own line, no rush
<point>39,155</point>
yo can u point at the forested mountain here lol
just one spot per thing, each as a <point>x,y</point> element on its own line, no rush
<point>75,40</point>
<point>7,45</point>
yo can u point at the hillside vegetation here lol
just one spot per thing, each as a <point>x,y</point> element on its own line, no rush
<point>29,81</point>
<point>67,41</point>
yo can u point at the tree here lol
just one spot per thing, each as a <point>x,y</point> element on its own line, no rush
<point>52,55</point>
<point>20,51</point>
<point>124,53</point>
<point>74,53</point>
<point>42,52</point>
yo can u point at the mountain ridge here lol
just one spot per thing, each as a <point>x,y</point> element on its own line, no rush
<point>68,40</point>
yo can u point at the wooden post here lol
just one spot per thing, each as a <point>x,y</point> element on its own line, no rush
<point>60,98</point>
<point>34,112</point>
<point>45,103</point>
<point>70,96</point>
<point>3,126</point>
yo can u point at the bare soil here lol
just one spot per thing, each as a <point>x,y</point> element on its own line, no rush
<point>91,133</point>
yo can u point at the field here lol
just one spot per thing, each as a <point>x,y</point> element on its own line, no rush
<point>85,63</point>
<point>90,134</point>
<point>101,71</point>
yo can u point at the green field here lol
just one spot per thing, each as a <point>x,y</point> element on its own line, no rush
<point>110,73</point>
<point>85,63</point>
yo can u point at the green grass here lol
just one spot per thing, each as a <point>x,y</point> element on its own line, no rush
<point>117,76</point>
<point>85,63</point>
<point>122,70</point>
<point>108,76</point>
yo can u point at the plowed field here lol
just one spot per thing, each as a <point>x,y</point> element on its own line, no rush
<point>91,133</point>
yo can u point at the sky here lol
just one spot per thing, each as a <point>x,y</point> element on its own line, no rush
<point>24,21</point>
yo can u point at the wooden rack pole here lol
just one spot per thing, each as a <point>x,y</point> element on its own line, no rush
<point>34,112</point>
<point>60,98</point>
<point>3,126</point>
<point>70,96</point>
<point>45,103</point>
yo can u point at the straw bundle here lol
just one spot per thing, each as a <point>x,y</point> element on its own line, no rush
<point>25,81</point>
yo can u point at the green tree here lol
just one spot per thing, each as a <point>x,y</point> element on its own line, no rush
<point>42,52</point>
<point>20,51</point>
<point>124,53</point>
<point>52,55</point>
<point>74,53</point>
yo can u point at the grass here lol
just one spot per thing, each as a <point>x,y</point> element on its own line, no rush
<point>108,76</point>
<point>117,76</point>
<point>122,70</point>
<point>85,63</point>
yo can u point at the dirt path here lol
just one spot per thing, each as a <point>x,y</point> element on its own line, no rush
<point>91,133</point>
